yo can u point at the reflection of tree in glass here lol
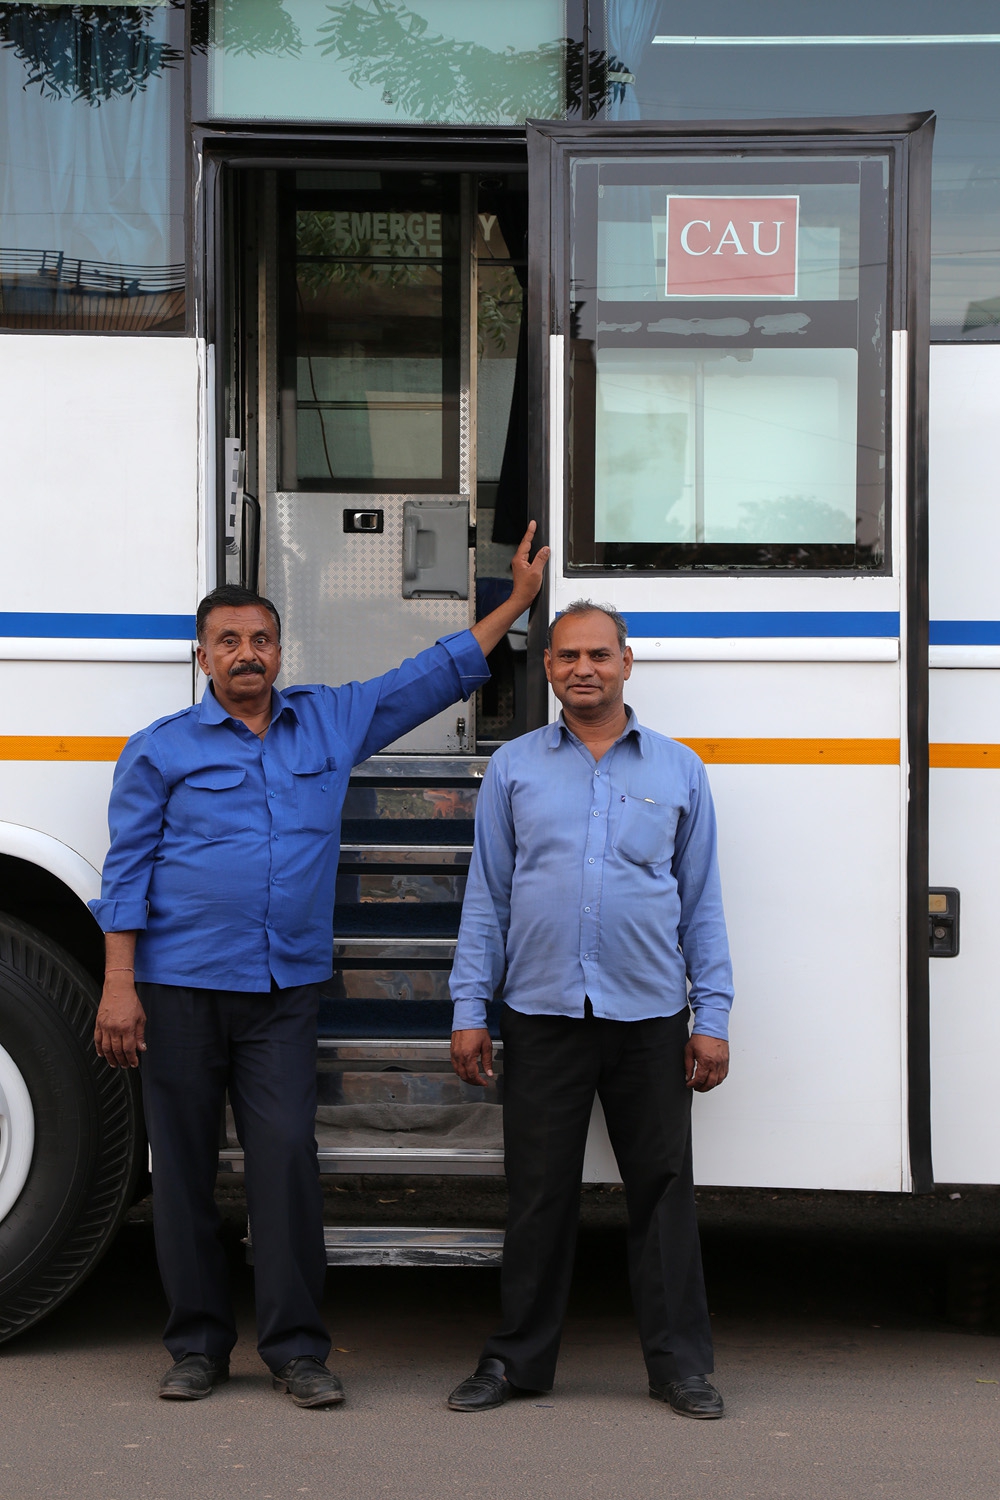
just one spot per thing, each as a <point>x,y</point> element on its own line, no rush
<point>789,518</point>
<point>319,251</point>
<point>500,299</point>
<point>386,45</point>
<point>245,26</point>
<point>88,53</point>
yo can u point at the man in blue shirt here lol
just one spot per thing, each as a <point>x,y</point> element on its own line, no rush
<point>593,900</point>
<point>217,905</point>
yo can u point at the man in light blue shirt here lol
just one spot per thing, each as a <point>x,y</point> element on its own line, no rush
<point>594,901</point>
<point>217,904</point>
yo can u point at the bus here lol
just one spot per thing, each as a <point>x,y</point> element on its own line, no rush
<point>330,299</point>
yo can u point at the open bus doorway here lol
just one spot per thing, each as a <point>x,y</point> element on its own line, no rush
<point>375,418</point>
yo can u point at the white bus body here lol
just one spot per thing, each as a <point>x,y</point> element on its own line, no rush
<point>116,521</point>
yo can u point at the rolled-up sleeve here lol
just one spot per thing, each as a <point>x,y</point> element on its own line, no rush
<point>480,956</point>
<point>702,926</point>
<point>135,820</point>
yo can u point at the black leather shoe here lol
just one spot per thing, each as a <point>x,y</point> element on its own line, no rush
<point>693,1397</point>
<point>488,1387</point>
<point>192,1378</point>
<point>309,1383</point>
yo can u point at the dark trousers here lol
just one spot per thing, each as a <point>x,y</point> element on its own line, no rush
<point>262,1047</point>
<point>552,1068</point>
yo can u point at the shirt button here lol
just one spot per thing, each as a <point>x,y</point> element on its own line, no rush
<point>276,835</point>
<point>586,908</point>
<point>590,861</point>
<point>596,814</point>
<point>272,794</point>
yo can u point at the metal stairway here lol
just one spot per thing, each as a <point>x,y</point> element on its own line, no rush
<point>388,1099</point>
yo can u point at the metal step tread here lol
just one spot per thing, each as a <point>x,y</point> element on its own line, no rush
<point>387,1245</point>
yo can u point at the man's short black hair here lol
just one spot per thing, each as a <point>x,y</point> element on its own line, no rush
<point>232,596</point>
<point>588,607</point>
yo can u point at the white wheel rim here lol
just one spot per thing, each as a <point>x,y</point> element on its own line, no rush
<point>17,1133</point>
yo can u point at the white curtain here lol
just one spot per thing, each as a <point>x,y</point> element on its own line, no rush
<point>101,181</point>
<point>631,26</point>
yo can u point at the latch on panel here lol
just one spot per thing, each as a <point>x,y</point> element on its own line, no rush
<point>942,911</point>
<point>436,549</point>
<point>364,520</point>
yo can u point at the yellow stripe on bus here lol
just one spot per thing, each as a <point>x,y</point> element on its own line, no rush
<point>731,752</point>
<point>981,757</point>
<point>796,752</point>
<point>61,747</point>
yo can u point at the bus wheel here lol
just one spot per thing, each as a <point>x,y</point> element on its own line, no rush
<point>71,1143</point>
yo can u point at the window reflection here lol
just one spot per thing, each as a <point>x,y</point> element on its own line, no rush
<point>374,350</point>
<point>426,60</point>
<point>728,400</point>
<point>91,185</point>
<point>879,58</point>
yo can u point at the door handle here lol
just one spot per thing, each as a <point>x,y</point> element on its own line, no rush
<point>411,527</point>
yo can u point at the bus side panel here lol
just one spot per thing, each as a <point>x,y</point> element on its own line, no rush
<point>49,707</point>
<point>965,797</point>
<point>99,517</point>
<point>100,444</point>
<point>812,886</point>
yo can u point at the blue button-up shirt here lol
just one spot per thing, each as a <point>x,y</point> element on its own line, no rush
<point>224,847</point>
<point>594,879</point>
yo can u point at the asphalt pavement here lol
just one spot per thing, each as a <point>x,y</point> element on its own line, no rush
<point>844,1371</point>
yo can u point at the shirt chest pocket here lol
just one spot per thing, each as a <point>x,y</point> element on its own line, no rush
<point>316,797</point>
<point>645,833</point>
<point>216,802</point>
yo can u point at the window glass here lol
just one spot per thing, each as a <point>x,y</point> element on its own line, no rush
<point>372,303</point>
<point>727,362</point>
<point>92,179</point>
<point>457,61</point>
<point>762,59</point>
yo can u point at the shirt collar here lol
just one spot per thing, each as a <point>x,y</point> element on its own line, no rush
<point>560,731</point>
<point>211,710</point>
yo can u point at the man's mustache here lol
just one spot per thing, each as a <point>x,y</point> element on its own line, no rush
<point>242,668</point>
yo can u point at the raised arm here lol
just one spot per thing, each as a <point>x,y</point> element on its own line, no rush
<point>372,714</point>
<point>528,574</point>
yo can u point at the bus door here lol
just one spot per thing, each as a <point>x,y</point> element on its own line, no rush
<point>730,365</point>
<point>377,326</point>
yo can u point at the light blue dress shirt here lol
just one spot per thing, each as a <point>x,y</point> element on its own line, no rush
<point>594,879</point>
<point>224,847</point>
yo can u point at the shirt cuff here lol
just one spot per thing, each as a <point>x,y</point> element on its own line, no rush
<point>119,916</point>
<point>711,1020</point>
<point>464,650</point>
<point>469,1015</point>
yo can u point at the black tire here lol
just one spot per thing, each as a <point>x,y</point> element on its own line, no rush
<point>89,1146</point>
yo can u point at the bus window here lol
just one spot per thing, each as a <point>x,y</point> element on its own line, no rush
<point>728,363</point>
<point>92,184</point>
<point>755,59</point>
<point>371,333</point>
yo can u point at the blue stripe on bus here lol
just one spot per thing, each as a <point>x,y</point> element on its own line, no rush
<point>98,627</point>
<point>965,633</point>
<point>705,623</point>
<point>750,623</point>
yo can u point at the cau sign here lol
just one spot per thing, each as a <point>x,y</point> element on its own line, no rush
<point>732,247</point>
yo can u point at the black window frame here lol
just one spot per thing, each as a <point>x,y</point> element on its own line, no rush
<point>552,149</point>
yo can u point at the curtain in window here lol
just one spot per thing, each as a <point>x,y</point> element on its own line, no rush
<point>631,26</point>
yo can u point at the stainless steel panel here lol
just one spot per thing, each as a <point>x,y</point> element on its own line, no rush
<point>385,1246</point>
<point>340,598</point>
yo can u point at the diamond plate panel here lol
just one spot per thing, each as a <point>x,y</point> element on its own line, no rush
<point>339,595</point>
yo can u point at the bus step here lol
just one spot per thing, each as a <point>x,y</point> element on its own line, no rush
<point>386,1246</point>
